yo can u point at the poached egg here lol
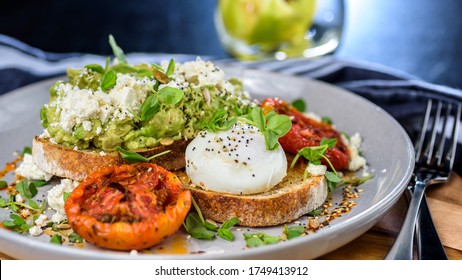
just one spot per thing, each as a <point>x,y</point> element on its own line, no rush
<point>234,161</point>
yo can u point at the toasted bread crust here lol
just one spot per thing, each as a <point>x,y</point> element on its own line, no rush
<point>287,201</point>
<point>77,164</point>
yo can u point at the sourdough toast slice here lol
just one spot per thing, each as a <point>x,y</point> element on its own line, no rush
<point>77,164</point>
<point>292,198</point>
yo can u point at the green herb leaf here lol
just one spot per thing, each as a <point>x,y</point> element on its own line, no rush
<point>225,232</point>
<point>333,177</point>
<point>118,52</point>
<point>258,118</point>
<point>38,183</point>
<point>293,231</point>
<point>279,124</point>
<point>26,150</point>
<point>315,212</point>
<point>149,108</point>
<point>96,68</point>
<point>66,196</point>
<point>315,154</point>
<point>194,225</point>
<point>252,241</point>
<point>260,239</point>
<point>75,238</point>
<point>3,184</point>
<point>170,95</point>
<point>170,68</point>
<point>210,226</point>
<point>326,120</point>
<point>12,204</point>
<point>330,142</point>
<point>2,202</point>
<point>56,239</point>
<point>299,104</point>
<point>25,189</point>
<point>132,157</point>
<point>355,181</point>
<point>219,121</point>
<point>108,81</point>
<point>272,126</point>
<point>276,127</point>
<point>17,224</point>
<point>33,204</point>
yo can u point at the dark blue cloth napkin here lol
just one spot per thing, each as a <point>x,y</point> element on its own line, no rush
<point>401,95</point>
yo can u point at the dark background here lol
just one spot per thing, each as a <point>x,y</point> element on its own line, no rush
<point>419,37</point>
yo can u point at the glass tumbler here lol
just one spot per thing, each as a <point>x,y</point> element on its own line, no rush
<point>279,29</point>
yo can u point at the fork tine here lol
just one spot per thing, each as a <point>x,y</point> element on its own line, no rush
<point>451,155</point>
<point>428,154</point>
<point>423,132</point>
<point>440,151</point>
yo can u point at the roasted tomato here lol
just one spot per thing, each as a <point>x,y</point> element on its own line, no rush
<point>128,207</point>
<point>307,132</point>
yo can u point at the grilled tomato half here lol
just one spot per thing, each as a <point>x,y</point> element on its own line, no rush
<point>308,132</point>
<point>128,207</point>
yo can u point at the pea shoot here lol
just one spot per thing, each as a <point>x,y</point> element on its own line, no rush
<point>260,239</point>
<point>272,125</point>
<point>132,157</point>
<point>219,121</point>
<point>199,228</point>
<point>315,154</point>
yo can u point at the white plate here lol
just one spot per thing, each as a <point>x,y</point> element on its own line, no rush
<point>386,145</point>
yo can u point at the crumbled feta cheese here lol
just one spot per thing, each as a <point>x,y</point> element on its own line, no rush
<point>28,169</point>
<point>75,105</point>
<point>354,145</point>
<point>202,72</point>
<point>58,217</point>
<point>56,194</point>
<point>81,106</point>
<point>199,74</point>
<point>316,170</point>
<point>102,153</point>
<point>18,198</point>
<point>87,125</point>
<point>41,220</point>
<point>35,231</point>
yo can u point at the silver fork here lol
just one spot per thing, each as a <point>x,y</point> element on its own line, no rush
<point>434,161</point>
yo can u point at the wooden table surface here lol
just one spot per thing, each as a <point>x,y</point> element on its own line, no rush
<point>445,203</point>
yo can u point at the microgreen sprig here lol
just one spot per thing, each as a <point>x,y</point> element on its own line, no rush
<point>199,228</point>
<point>118,52</point>
<point>314,155</point>
<point>219,121</point>
<point>293,231</point>
<point>225,232</point>
<point>132,157</point>
<point>260,239</point>
<point>3,184</point>
<point>16,224</point>
<point>272,125</point>
<point>299,104</point>
<point>166,95</point>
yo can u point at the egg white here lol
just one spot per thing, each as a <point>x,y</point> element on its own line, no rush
<point>234,161</point>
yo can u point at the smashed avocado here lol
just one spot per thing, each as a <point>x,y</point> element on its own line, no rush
<point>139,106</point>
